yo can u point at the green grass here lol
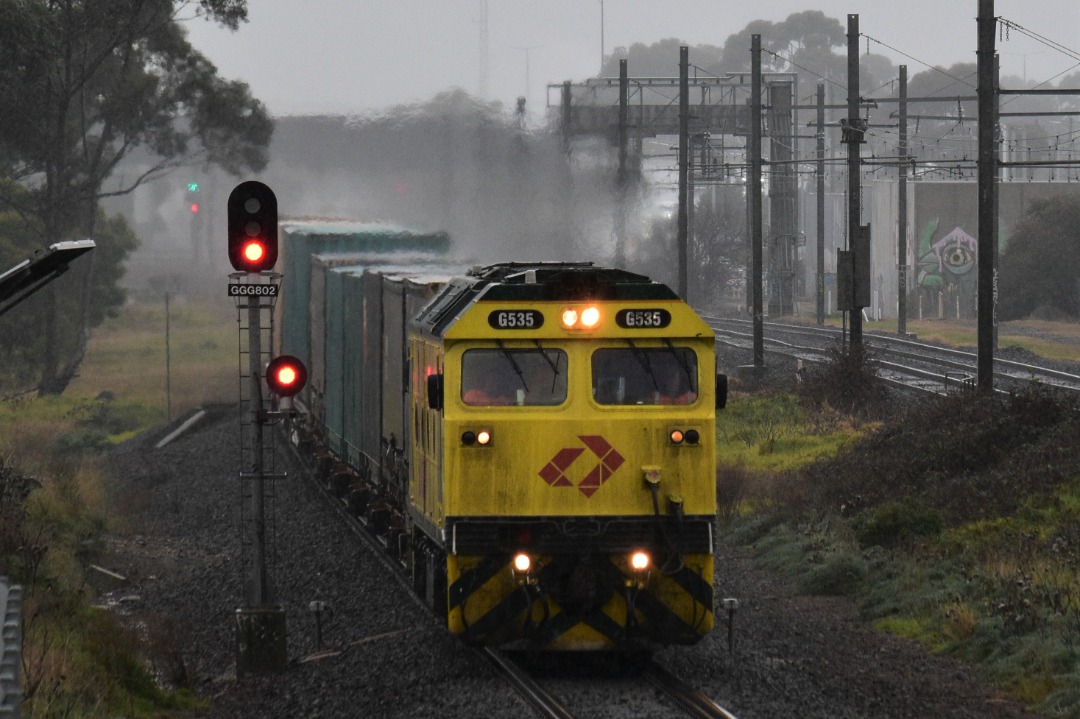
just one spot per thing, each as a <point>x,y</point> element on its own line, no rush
<point>774,433</point>
<point>127,357</point>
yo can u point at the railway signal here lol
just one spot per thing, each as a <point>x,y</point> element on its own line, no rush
<point>193,197</point>
<point>285,375</point>
<point>253,233</point>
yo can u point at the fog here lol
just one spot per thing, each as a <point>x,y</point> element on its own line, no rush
<point>408,113</point>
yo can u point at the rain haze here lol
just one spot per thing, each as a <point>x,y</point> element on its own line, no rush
<point>410,113</point>
<point>354,57</point>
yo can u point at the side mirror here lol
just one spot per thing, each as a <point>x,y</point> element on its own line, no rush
<point>721,391</point>
<point>435,391</point>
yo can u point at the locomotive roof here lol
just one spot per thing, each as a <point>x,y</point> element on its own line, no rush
<point>537,282</point>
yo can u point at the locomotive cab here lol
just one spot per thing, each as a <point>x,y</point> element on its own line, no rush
<point>562,472</point>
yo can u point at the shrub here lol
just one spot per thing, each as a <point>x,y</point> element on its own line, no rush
<point>897,522</point>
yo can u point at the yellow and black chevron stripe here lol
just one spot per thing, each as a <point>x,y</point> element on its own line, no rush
<point>577,602</point>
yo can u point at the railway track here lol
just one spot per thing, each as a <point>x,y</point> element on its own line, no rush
<point>669,696</point>
<point>694,702</point>
<point>549,704</point>
<point>903,362</point>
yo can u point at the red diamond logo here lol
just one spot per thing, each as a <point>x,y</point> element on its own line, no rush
<point>610,460</point>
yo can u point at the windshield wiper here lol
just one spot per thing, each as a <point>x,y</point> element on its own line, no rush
<point>554,365</point>
<point>681,359</point>
<point>513,363</point>
<point>643,360</point>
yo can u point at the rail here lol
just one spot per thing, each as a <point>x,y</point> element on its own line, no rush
<point>546,704</point>
<point>688,698</point>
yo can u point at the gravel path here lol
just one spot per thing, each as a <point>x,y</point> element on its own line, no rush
<point>179,544</point>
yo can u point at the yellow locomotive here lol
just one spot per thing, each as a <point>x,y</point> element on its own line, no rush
<point>561,488</point>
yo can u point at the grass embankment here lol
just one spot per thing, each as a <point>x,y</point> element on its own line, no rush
<point>78,661</point>
<point>957,524</point>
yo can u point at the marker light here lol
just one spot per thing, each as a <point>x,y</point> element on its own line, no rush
<point>590,317</point>
<point>480,437</point>
<point>692,436</point>
<point>522,563</point>
<point>639,561</point>
<point>676,436</point>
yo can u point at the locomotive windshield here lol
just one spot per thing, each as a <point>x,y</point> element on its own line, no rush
<point>494,377</point>
<point>644,375</point>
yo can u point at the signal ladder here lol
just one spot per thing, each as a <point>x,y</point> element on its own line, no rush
<point>258,494</point>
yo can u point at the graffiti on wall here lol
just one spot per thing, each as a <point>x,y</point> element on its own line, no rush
<point>947,265</point>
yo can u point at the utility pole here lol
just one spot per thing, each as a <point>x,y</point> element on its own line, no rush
<point>854,138</point>
<point>567,116</point>
<point>484,45</point>
<point>902,249</point>
<point>755,197</point>
<point>987,93</point>
<point>684,161</point>
<point>620,217</point>
<point>820,176</point>
<point>601,35</point>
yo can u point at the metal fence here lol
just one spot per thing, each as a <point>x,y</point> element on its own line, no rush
<point>10,650</point>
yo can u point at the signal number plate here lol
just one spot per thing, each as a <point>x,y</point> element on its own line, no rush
<point>516,319</point>
<point>646,319</point>
<point>253,290</point>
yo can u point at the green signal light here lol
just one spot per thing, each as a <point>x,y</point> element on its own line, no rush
<point>193,186</point>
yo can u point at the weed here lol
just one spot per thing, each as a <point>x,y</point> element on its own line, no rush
<point>847,384</point>
<point>839,574</point>
<point>897,522</point>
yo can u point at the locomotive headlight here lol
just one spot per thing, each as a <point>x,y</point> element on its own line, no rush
<point>483,437</point>
<point>522,563</point>
<point>522,566</point>
<point>584,318</point>
<point>590,317</point>
<point>639,561</point>
<point>676,436</point>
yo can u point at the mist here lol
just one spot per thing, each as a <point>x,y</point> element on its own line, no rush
<point>501,190</point>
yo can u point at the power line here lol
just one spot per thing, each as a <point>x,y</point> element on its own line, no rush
<point>921,62</point>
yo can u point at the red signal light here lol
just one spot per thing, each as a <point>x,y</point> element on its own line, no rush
<point>194,208</point>
<point>254,251</point>
<point>286,375</point>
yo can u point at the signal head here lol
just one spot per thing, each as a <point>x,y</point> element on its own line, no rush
<point>286,375</point>
<point>253,233</point>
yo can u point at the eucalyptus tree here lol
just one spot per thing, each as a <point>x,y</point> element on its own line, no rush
<point>84,84</point>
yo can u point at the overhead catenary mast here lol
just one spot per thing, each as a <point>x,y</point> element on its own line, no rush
<point>482,85</point>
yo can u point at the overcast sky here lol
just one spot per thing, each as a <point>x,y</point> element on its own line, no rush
<point>355,56</point>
